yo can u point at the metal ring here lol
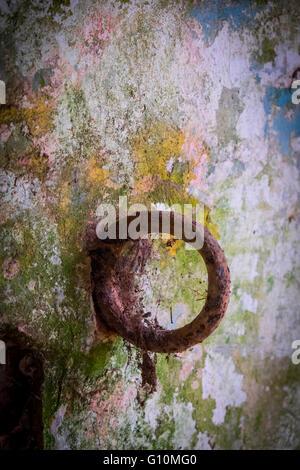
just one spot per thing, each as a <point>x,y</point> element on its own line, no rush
<point>154,338</point>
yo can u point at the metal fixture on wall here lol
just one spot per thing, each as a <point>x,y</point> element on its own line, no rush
<point>115,300</point>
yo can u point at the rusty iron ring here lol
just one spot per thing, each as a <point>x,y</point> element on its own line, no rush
<point>154,338</point>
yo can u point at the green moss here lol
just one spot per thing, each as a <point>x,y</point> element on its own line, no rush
<point>261,3</point>
<point>164,433</point>
<point>84,142</point>
<point>203,409</point>
<point>183,272</point>
<point>268,53</point>
<point>98,358</point>
<point>270,381</point>
<point>258,421</point>
<point>49,398</point>
<point>289,278</point>
<point>231,431</point>
<point>270,283</point>
<point>58,7</point>
<point>119,355</point>
<point>167,369</point>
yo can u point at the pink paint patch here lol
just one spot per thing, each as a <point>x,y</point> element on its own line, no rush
<point>196,353</point>
<point>189,361</point>
<point>107,410</point>
<point>186,370</point>
<point>195,385</point>
<point>23,328</point>
<point>196,152</point>
<point>5,132</point>
<point>47,145</point>
<point>94,36</point>
<point>23,160</point>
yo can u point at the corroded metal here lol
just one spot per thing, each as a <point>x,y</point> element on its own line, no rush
<point>116,303</point>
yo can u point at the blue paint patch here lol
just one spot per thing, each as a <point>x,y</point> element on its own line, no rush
<point>176,315</point>
<point>212,14</point>
<point>282,98</point>
<point>266,128</point>
<point>257,78</point>
<point>238,167</point>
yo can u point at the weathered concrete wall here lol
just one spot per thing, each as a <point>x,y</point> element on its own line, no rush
<point>163,102</point>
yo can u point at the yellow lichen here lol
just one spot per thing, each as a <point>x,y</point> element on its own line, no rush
<point>166,155</point>
<point>65,221</point>
<point>154,147</point>
<point>11,114</point>
<point>38,164</point>
<point>211,226</point>
<point>65,197</point>
<point>95,173</point>
<point>173,245</point>
<point>37,114</point>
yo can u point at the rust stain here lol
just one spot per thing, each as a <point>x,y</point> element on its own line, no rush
<point>117,304</point>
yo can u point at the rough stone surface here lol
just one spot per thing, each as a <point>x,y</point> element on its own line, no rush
<point>165,102</point>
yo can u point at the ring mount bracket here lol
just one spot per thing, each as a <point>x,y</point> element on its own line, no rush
<point>114,265</point>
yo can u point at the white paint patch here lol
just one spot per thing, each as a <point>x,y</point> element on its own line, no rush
<point>249,303</point>
<point>31,284</point>
<point>60,437</point>
<point>170,165</point>
<point>203,442</point>
<point>244,266</point>
<point>221,382</point>
<point>55,260</point>
<point>153,410</point>
<point>240,329</point>
<point>185,426</point>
